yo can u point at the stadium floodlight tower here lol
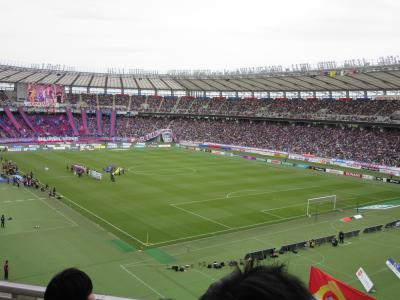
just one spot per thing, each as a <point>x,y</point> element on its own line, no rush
<point>328,203</point>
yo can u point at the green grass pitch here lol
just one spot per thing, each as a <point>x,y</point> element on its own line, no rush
<point>182,207</point>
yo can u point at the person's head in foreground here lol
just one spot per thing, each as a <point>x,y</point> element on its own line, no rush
<point>70,284</point>
<point>258,282</point>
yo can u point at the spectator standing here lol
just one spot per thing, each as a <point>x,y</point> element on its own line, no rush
<point>5,268</point>
<point>341,237</point>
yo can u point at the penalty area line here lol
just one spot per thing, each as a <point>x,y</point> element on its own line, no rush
<point>200,216</point>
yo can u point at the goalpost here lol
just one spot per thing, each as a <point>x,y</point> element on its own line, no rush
<point>329,203</point>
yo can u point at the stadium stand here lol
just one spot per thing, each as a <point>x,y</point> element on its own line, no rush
<point>286,111</point>
<point>371,145</point>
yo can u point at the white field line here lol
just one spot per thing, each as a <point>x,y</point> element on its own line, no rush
<point>18,200</point>
<point>205,235</point>
<point>53,208</point>
<point>323,264</point>
<point>248,227</point>
<point>142,282</point>
<point>56,219</point>
<point>157,172</point>
<point>283,207</point>
<point>209,234</point>
<point>143,264</point>
<point>274,215</point>
<point>204,274</point>
<point>229,242</point>
<point>248,195</point>
<point>202,217</point>
<point>5,188</point>
<point>40,230</point>
<point>104,220</point>
<point>215,245</point>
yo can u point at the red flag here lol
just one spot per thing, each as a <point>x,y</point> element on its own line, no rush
<point>325,287</point>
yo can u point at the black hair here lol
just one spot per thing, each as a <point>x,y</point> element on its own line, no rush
<point>69,284</point>
<point>258,282</point>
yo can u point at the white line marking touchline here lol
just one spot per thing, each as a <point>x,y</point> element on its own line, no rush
<point>41,230</point>
<point>105,221</point>
<point>19,200</point>
<point>51,207</point>
<point>142,282</point>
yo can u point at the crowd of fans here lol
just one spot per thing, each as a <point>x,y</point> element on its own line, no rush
<point>122,101</point>
<point>3,96</point>
<point>382,111</point>
<point>366,145</point>
<point>89,100</point>
<point>51,124</point>
<point>360,144</point>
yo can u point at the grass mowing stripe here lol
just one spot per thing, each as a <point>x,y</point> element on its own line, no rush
<point>121,245</point>
<point>132,204</point>
<point>160,255</point>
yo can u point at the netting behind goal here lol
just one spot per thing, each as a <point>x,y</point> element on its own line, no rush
<point>319,205</point>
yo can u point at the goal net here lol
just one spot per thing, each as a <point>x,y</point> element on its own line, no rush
<point>319,205</point>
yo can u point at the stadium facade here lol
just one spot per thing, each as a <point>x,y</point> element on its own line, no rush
<point>351,79</point>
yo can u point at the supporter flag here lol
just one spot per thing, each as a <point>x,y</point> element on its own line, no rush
<point>332,73</point>
<point>325,287</point>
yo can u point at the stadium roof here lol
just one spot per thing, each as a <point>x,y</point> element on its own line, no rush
<point>304,78</point>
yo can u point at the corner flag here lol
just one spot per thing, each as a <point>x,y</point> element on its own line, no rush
<point>325,287</point>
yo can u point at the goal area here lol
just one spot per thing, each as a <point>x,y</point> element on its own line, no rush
<point>319,205</point>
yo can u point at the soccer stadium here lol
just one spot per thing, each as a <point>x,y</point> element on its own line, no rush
<point>158,184</point>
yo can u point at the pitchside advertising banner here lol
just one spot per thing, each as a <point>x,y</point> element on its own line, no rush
<point>394,266</point>
<point>364,279</point>
<point>303,157</point>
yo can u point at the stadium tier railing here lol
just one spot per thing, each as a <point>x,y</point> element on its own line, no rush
<point>10,290</point>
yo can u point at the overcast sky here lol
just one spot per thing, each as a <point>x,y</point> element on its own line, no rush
<point>203,34</point>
